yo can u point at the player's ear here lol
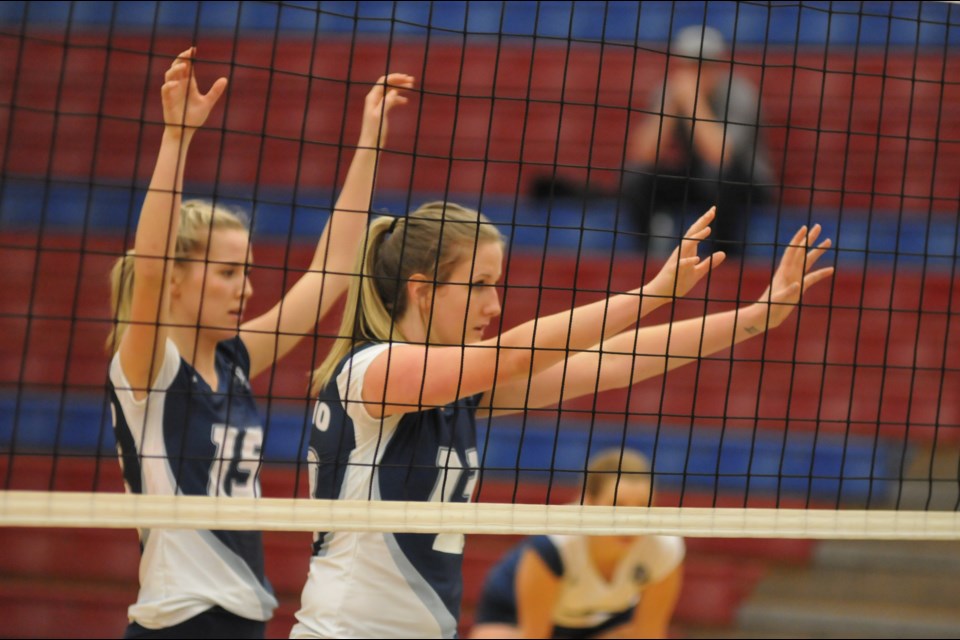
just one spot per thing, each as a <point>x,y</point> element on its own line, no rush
<point>178,274</point>
<point>418,291</point>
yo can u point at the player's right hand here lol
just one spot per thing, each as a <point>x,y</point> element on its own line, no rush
<point>184,107</point>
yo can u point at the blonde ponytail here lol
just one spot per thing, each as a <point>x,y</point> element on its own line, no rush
<point>121,295</point>
<point>365,315</point>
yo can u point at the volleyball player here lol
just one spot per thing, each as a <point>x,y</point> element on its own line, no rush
<point>588,586</point>
<point>399,394</point>
<point>184,415</point>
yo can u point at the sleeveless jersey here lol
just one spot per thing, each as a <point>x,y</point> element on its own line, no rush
<point>186,439</point>
<point>374,585</point>
<point>587,600</point>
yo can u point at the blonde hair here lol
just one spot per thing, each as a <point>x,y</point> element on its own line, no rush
<point>198,219</point>
<point>431,241</point>
<point>615,465</point>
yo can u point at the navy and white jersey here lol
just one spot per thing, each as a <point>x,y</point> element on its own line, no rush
<point>375,585</point>
<point>587,602</point>
<point>184,438</point>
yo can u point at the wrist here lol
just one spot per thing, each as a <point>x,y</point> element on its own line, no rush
<point>657,293</point>
<point>653,297</point>
<point>756,318</point>
<point>368,140</point>
<point>179,134</point>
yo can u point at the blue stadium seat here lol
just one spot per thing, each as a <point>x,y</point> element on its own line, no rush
<point>877,23</point>
<point>699,459</point>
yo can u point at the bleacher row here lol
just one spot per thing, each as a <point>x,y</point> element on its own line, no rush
<point>867,23</point>
<point>870,372</point>
<point>850,129</point>
<point>599,227</point>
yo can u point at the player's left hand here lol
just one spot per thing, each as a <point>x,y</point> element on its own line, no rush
<point>794,276</point>
<point>384,96</point>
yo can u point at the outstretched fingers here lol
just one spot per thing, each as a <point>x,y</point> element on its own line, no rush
<point>814,254</point>
<point>796,249</point>
<point>814,277</point>
<point>712,262</point>
<point>183,102</point>
<point>216,90</point>
<point>387,89</point>
<point>699,231</point>
<point>702,222</point>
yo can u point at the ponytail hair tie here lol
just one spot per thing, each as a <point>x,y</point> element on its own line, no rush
<point>393,225</point>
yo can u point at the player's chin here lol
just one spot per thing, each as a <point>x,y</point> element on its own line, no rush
<point>223,329</point>
<point>474,335</point>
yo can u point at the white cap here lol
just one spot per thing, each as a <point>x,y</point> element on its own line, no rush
<point>696,41</point>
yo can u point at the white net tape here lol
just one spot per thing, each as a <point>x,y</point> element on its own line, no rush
<point>114,510</point>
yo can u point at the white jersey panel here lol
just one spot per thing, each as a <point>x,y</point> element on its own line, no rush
<point>145,420</point>
<point>588,600</point>
<point>361,585</point>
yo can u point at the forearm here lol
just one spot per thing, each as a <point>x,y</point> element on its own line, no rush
<point>310,299</point>
<point>646,627</point>
<point>634,356</point>
<point>156,235</point>
<point>337,248</point>
<point>542,343</point>
<point>335,255</point>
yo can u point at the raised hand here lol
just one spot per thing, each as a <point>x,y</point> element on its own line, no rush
<point>184,107</point>
<point>385,94</point>
<point>684,268</point>
<point>794,276</point>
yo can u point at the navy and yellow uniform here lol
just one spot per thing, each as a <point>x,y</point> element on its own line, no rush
<point>384,584</point>
<point>185,438</point>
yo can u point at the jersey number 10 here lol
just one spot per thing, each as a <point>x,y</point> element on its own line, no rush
<point>451,486</point>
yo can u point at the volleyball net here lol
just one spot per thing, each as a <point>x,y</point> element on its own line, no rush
<point>843,422</point>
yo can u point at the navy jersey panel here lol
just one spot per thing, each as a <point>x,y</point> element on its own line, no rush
<point>193,409</point>
<point>331,446</point>
<point>428,456</point>
<point>126,446</point>
<point>498,598</point>
<point>548,552</point>
<point>433,451</point>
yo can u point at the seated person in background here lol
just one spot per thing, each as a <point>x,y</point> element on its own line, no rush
<point>698,144</point>
<point>588,586</point>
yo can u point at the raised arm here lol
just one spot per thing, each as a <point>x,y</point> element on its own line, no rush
<point>417,376</point>
<point>578,374</point>
<point>271,336</point>
<point>634,356</point>
<point>185,109</point>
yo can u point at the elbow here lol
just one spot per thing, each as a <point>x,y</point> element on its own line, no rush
<point>151,272</point>
<point>513,363</point>
<point>617,372</point>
